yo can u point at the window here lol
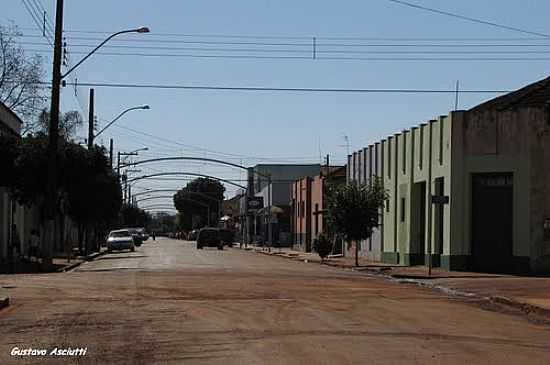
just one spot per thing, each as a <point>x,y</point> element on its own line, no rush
<point>402,209</point>
<point>302,208</point>
<point>387,205</point>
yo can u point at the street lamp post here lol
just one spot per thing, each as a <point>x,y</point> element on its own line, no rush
<point>53,128</point>
<point>91,136</point>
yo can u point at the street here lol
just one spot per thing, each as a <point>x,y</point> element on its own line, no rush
<point>170,303</point>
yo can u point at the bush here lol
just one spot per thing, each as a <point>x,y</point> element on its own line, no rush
<point>323,246</point>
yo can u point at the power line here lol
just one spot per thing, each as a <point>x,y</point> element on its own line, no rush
<point>285,89</point>
<point>470,19</point>
<point>36,19</point>
<point>321,51</point>
<point>322,58</point>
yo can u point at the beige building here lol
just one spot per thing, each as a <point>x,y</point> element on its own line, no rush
<point>472,187</point>
<point>10,212</point>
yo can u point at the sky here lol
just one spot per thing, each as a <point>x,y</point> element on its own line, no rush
<point>249,127</point>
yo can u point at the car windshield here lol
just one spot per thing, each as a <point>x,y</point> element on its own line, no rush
<point>118,234</point>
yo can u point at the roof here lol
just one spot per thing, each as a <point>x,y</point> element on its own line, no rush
<point>533,95</point>
<point>9,121</point>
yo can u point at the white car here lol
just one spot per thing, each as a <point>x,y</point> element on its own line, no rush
<point>121,239</point>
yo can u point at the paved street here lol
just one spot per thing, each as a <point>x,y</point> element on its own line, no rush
<point>170,303</point>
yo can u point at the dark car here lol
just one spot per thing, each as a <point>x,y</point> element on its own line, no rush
<point>209,237</point>
<point>193,235</point>
<point>138,237</point>
<point>227,236</point>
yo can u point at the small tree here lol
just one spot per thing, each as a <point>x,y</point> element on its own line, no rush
<point>354,210</point>
<point>323,246</point>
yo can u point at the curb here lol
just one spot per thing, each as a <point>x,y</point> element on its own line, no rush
<point>90,257</point>
<point>525,308</point>
<point>4,302</point>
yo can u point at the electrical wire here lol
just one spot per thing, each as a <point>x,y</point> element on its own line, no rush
<point>470,19</point>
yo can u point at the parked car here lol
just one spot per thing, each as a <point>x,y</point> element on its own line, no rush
<point>209,237</point>
<point>227,236</point>
<point>120,239</point>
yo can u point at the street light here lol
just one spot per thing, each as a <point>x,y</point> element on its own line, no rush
<point>53,127</point>
<point>138,30</point>
<point>91,137</point>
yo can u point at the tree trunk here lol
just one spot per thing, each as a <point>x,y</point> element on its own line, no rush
<point>357,253</point>
<point>80,238</point>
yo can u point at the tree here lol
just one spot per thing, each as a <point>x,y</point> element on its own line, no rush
<point>69,123</point>
<point>89,191</point>
<point>323,246</point>
<point>9,148</point>
<point>132,216</point>
<point>193,199</point>
<point>354,210</point>
<point>20,77</point>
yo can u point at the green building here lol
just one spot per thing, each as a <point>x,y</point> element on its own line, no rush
<point>472,188</point>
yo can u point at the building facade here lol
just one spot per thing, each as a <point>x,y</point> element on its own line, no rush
<point>10,212</point>
<point>272,223</point>
<point>470,190</point>
<point>308,206</point>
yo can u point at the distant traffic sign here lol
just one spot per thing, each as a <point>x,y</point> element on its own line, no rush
<point>440,199</point>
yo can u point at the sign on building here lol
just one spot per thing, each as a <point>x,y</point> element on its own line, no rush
<point>440,199</point>
<point>254,203</point>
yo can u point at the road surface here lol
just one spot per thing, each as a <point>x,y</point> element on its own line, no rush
<point>168,303</point>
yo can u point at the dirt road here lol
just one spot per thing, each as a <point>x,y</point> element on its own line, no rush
<point>169,303</point>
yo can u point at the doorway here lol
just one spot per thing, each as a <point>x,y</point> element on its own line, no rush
<point>418,223</point>
<point>492,222</point>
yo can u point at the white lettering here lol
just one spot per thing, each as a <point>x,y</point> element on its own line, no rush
<point>16,351</point>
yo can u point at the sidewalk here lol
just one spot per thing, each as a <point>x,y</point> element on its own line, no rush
<point>59,264</point>
<point>530,295</point>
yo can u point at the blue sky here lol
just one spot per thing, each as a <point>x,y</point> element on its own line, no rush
<point>295,127</point>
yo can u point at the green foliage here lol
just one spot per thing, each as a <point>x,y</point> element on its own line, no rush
<point>354,209</point>
<point>93,190</point>
<point>88,189</point>
<point>9,149</point>
<point>132,216</point>
<point>192,200</point>
<point>323,246</point>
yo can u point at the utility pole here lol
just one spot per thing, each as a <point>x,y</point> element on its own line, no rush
<point>53,132</point>
<point>111,153</point>
<point>118,164</point>
<point>91,120</point>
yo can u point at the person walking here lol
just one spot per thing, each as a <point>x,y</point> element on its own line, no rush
<point>34,245</point>
<point>153,234</point>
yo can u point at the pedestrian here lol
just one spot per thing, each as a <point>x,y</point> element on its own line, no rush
<point>34,244</point>
<point>153,234</point>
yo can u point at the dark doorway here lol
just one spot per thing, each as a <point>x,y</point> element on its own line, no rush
<point>492,222</point>
<point>418,222</point>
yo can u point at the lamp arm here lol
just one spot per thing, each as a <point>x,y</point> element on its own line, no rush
<point>93,51</point>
